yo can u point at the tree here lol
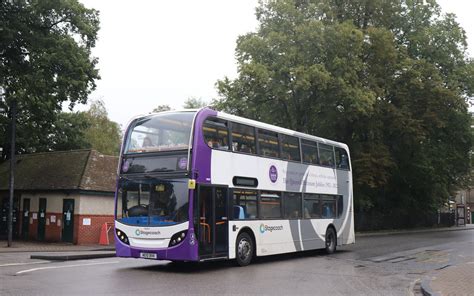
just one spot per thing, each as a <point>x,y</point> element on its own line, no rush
<point>69,132</point>
<point>45,61</point>
<point>194,103</point>
<point>389,78</point>
<point>84,130</point>
<point>161,108</point>
<point>102,134</point>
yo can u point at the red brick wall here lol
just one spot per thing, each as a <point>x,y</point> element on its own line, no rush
<point>52,231</point>
<point>83,234</point>
<point>90,234</point>
<point>33,228</point>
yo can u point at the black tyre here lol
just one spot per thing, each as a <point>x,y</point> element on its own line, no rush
<point>244,249</point>
<point>331,240</point>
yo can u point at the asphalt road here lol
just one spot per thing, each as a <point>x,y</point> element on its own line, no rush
<point>381,265</point>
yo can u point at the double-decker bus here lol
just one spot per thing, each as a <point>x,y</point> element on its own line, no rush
<point>197,185</point>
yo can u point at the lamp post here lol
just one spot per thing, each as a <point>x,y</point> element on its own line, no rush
<point>12,171</point>
<point>13,112</point>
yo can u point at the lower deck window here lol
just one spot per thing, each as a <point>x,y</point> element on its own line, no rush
<point>328,205</point>
<point>287,205</point>
<point>312,206</point>
<point>292,205</point>
<point>244,204</point>
<point>323,206</point>
<point>270,204</point>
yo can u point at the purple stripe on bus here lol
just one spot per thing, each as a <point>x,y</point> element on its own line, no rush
<point>121,250</point>
<point>192,248</point>
<point>201,159</point>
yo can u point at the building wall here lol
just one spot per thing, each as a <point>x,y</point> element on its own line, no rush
<point>96,205</point>
<point>90,213</point>
<point>93,212</point>
<point>54,215</point>
<point>90,234</point>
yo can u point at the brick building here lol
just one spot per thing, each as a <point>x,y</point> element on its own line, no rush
<point>60,196</point>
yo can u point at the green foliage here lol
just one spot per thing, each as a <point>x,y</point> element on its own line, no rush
<point>194,103</point>
<point>102,134</point>
<point>68,132</point>
<point>45,60</point>
<point>89,129</point>
<point>161,108</point>
<point>389,78</point>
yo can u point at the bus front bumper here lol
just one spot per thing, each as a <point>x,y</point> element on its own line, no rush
<point>187,250</point>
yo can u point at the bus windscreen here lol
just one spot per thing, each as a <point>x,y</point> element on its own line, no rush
<point>161,132</point>
<point>152,202</point>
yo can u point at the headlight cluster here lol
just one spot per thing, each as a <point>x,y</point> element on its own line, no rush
<point>122,236</point>
<point>177,238</point>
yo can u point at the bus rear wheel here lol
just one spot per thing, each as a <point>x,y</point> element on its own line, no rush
<point>330,241</point>
<point>244,249</point>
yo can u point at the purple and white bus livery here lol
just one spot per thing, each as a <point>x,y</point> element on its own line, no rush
<point>198,185</point>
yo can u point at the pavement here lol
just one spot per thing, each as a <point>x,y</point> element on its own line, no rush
<point>450,280</point>
<point>453,280</point>
<point>417,230</point>
<point>58,251</point>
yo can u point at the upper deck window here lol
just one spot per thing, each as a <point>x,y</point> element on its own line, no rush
<point>290,148</point>
<point>310,152</point>
<point>326,155</point>
<point>215,133</point>
<point>162,132</point>
<point>268,142</point>
<point>243,138</point>
<point>342,159</point>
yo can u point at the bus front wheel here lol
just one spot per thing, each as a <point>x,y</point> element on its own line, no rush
<point>330,240</point>
<point>244,249</point>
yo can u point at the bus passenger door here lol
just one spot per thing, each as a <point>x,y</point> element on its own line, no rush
<point>213,221</point>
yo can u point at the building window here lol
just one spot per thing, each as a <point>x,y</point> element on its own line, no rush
<point>290,148</point>
<point>270,204</point>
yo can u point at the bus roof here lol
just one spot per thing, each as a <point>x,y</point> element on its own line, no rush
<point>252,122</point>
<point>278,129</point>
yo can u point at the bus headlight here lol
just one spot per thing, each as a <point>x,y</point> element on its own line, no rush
<point>177,238</point>
<point>122,236</point>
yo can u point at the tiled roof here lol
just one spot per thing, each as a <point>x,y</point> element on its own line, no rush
<point>62,170</point>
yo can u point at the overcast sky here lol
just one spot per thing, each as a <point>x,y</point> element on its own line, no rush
<point>163,52</point>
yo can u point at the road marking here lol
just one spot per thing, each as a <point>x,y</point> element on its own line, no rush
<point>26,263</point>
<point>65,266</point>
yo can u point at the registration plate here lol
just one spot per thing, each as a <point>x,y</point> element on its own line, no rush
<point>148,255</point>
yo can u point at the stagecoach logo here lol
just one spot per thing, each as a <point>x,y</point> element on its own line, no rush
<point>139,232</point>
<point>264,228</point>
<point>273,174</point>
